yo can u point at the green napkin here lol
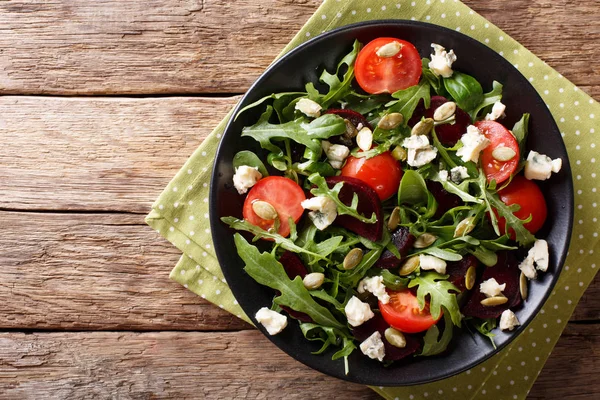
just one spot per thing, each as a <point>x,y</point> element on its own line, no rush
<point>180,214</point>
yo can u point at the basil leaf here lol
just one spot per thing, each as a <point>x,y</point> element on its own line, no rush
<point>488,99</point>
<point>412,189</point>
<point>432,343</point>
<point>520,131</point>
<point>266,270</point>
<point>439,291</point>
<point>465,90</point>
<point>408,99</point>
<point>246,157</point>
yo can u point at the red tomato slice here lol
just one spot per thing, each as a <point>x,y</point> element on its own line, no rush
<point>283,194</point>
<point>528,195</point>
<point>382,173</point>
<point>500,137</point>
<point>376,74</point>
<point>402,312</point>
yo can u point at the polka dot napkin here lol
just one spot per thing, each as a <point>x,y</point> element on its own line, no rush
<point>181,212</point>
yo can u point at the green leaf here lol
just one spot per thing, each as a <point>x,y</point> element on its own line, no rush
<point>488,99</point>
<point>412,189</point>
<point>432,342</point>
<point>461,190</point>
<point>298,130</point>
<point>522,235</point>
<point>266,270</point>
<point>339,88</point>
<point>246,157</point>
<point>342,209</point>
<point>392,281</point>
<point>520,131</point>
<point>352,277</point>
<point>485,327</point>
<point>365,103</point>
<point>408,99</point>
<point>447,255</point>
<point>440,294</point>
<point>465,90</point>
<point>279,98</point>
<point>486,256</point>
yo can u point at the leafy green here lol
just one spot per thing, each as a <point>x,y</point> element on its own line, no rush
<point>323,190</point>
<point>461,190</point>
<point>352,277</point>
<point>448,255</point>
<point>485,327</point>
<point>408,99</point>
<point>412,189</point>
<point>522,235</point>
<point>246,157</point>
<point>432,342</point>
<point>392,281</point>
<point>298,130</point>
<point>339,88</point>
<point>488,99</point>
<point>486,256</point>
<point>365,103</point>
<point>266,270</point>
<point>465,90</point>
<point>434,81</point>
<point>440,294</point>
<point>279,100</point>
<point>520,131</point>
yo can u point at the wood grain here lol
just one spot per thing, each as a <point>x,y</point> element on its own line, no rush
<point>94,272</point>
<point>220,365</point>
<point>217,46</point>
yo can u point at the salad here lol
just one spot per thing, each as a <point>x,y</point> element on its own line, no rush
<point>390,205</point>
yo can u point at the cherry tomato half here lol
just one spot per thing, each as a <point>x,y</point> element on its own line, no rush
<point>528,195</point>
<point>377,74</point>
<point>382,173</point>
<point>499,136</point>
<point>283,194</point>
<point>402,312</point>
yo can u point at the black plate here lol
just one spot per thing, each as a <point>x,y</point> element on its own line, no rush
<point>303,65</point>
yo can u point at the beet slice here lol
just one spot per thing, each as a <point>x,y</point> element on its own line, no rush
<point>355,117</point>
<point>448,134</point>
<point>445,199</point>
<point>368,203</point>
<point>294,267</point>
<point>403,240</point>
<point>458,269</point>
<point>506,271</point>
<point>392,353</point>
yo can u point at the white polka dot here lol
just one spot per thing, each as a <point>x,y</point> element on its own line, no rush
<point>205,184</point>
<point>205,200</point>
<point>307,34</point>
<point>189,171</point>
<point>537,359</point>
<point>187,241</point>
<point>339,15</point>
<point>501,53</point>
<point>206,215</point>
<point>440,391</point>
<point>458,13</point>
<point>519,349</point>
<point>203,296</point>
<point>175,189</point>
<point>204,254</point>
<point>383,8</point>
<point>443,15</point>
<point>182,272</point>
<point>190,202</point>
<point>217,291</point>
<point>207,230</point>
<point>323,16</point>
<point>428,17</point>
<point>368,10</point>
<point>171,229</point>
<point>581,284</point>
<point>454,389</point>
<point>200,281</point>
<point>207,246</point>
<point>487,40</point>
<point>530,330</point>
<point>497,387</point>
<point>190,187</point>
<point>469,372</point>
<point>547,340</point>
<point>545,77</point>
<point>458,29</point>
<point>509,368</point>
<point>522,363</point>
<point>472,27</point>
<point>495,372</point>
<point>483,391</point>
<point>501,38</point>
<point>185,285</point>
<point>470,387</point>
<point>482,369</point>
<point>191,217</point>
<point>398,5</point>
<point>558,321</point>
<point>413,4</point>
<point>577,118</point>
<point>526,377</point>
<point>512,382</point>
<point>516,51</point>
<point>192,233</point>
<point>546,92</point>
<point>487,25</point>
<point>176,220</point>
<point>160,206</point>
<point>425,394</point>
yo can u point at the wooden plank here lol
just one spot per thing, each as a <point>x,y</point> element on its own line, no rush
<point>94,272</point>
<point>222,365</point>
<point>216,46</point>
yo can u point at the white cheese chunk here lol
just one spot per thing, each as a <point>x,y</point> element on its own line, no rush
<point>336,153</point>
<point>324,211</point>
<point>473,142</point>
<point>309,108</point>
<point>459,174</point>
<point>271,320</point>
<point>508,321</point>
<point>540,167</point>
<point>443,175</point>
<point>245,177</point>
<point>419,157</point>
<point>374,285</point>
<point>416,142</point>
<point>441,61</point>
<point>527,267</point>
<point>389,49</point>
<point>497,112</point>
<point>491,288</point>
<point>428,262</point>
<point>373,347</point>
<point>537,258</point>
<point>357,312</point>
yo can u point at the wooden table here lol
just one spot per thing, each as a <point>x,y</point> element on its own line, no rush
<point>102,102</point>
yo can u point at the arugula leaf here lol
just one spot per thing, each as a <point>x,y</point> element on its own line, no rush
<point>447,255</point>
<point>434,81</point>
<point>488,99</point>
<point>485,327</point>
<point>350,278</point>
<point>432,342</point>
<point>364,103</point>
<point>280,98</point>
<point>298,130</point>
<point>465,90</point>
<point>439,291</point>
<point>442,150</point>
<point>486,256</point>
<point>461,190</point>
<point>408,99</point>
<point>266,270</point>
<point>520,131</point>
<point>323,190</point>
<point>392,281</point>
<point>339,88</point>
<point>246,157</point>
<point>522,235</point>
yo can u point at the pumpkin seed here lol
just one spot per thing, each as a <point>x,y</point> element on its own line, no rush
<point>351,130</point>
<point>364,139</point>
<point>444,111</point>
<point>399,153</point>
<point>425,240</point>
<point>503,153</point>
<point>353,258</point>
<point>423,127</point>
<point>409,266</point>
<point>313,280</point>
<point>523,286</point>
<point>390,121</point>
<point>464,227</point>
<point>494,301</point>
<point>395,337</point>
<point>389,49</point>
<point>470,277</point>
<point>264,210</point>
<point>394,220</point>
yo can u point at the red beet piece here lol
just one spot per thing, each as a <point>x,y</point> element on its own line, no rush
<point>403,240</point>
<point>351,115</point>
<point>506,271</point>
<point>392,353</point>
<point>293,267</point>
<point>445,199</point>
<point>457,270</point>
<point>368,203</point>
<point>448,134</point>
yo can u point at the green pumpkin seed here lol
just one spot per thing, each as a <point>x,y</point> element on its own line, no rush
<point>425,240</point>
<point>264,210</point>
<point>399,153</point>
<point>503,153</point>
<point>390,121</point>
<point>353,258</point>
<point>409,266</point>
<point>423,127</point>
<point>494,301</point>
<point>394,220</point>
<point>313,280</point>
<point>351,130</point>
<point>470,277</point>
<point>444,111</point>
<point>523,286</point>
<point>464,227</point>
<point>395,337</point>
